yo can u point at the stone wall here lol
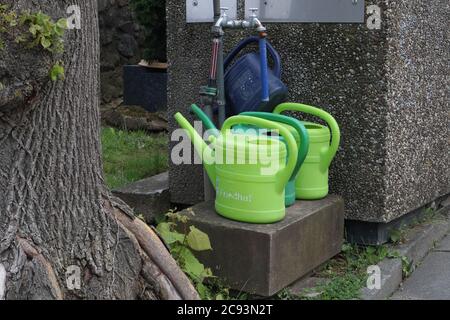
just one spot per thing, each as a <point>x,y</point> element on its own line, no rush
<point>387,88</point>
<point>121,43</point>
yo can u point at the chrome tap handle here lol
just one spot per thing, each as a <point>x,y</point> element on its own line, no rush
<point>254,12</point>
<point>224,10</point>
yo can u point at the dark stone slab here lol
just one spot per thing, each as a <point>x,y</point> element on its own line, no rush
<point>145,87</point>
<point>264,259</point>
<point>149,197</point>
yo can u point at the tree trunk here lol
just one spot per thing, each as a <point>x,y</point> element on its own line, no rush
<point>56,215</point>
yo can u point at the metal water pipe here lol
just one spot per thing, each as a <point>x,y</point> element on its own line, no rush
<point>217,76</point>
<point>215,88</point>
<point>223,22</point>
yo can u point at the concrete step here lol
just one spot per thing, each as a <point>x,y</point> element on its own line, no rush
<point>431,280</point>
<point>444,245</point>
<point>264,259</point>
<point>149,197</point>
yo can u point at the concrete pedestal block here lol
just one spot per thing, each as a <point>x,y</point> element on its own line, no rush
<point>264,259</point>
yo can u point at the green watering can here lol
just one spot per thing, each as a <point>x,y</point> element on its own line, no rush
<point>312,181</point>
<point>300,134</point>
<point>296,128</point>
<point>247,191</point>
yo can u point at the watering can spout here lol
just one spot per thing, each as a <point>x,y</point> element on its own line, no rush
<point>205,152</point>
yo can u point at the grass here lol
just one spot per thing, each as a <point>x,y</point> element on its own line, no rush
<point>132,156</point>
<point>398,235</point>
<point>345,275</point>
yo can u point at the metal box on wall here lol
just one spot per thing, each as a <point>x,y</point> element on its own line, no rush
<point>338,11</point>
<point>323,11</point>
<point>203,10</point>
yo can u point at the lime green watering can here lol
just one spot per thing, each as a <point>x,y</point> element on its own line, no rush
<point>300,134</point>
<point>253,190</point>
<point>312,181</point>
<point>296,128</point>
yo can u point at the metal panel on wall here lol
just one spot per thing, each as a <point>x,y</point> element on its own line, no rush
<point>337,11</point>
<point>203,10</point>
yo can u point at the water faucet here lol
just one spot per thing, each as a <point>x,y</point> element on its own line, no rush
<point>255,22</point>
<point>225,22</point>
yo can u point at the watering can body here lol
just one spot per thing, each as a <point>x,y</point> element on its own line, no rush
<point>242,192</point>
<point>300,134</point>
<point>247,191</point>
<point>243,84</point>
<point>312,180</point>
<point>295,127</point>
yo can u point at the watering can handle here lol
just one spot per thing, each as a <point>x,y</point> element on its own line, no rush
<point>286,173</point>
<point>207,122</point>
<point>297,125</point>
<point>335,131</point>
<point>244,43</point>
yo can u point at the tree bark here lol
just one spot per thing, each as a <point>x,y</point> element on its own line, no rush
<point>55,211</point>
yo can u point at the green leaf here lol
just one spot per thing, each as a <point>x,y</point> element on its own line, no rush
<point>393,255</point>
<point>176,217</point>
<point>395,236</point>
<point>4,7</point>
<point>198,240</point>
<point>1,86</point>
<point>191,265</point>
<point>46,43</point>
<point>34,28</point>
<point>203,291</point>
<point>166,232</point>
<point>62,23</point>
<point>20,39</point>
<point>57,72</point>
<point>346,247</point>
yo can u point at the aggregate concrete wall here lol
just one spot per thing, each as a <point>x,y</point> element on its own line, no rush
<point>387,88</point>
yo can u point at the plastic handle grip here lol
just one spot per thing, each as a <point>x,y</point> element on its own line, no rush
<point>207,122</point>
<point>333,125</point>
<point>277,70</point>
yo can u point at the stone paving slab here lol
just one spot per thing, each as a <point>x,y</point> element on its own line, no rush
<point>430,281</point>
<point>391,277</point>
<point>444,245</point>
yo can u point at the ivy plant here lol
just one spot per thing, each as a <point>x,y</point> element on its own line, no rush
<point>34,30</point>
<point>183,244</point>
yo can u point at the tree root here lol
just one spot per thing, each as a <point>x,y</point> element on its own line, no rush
<point>32,253</point>
<point>159,267</point>
<point>30,275</point>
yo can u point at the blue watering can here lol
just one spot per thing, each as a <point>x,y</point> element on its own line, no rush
<point>243,83</point>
